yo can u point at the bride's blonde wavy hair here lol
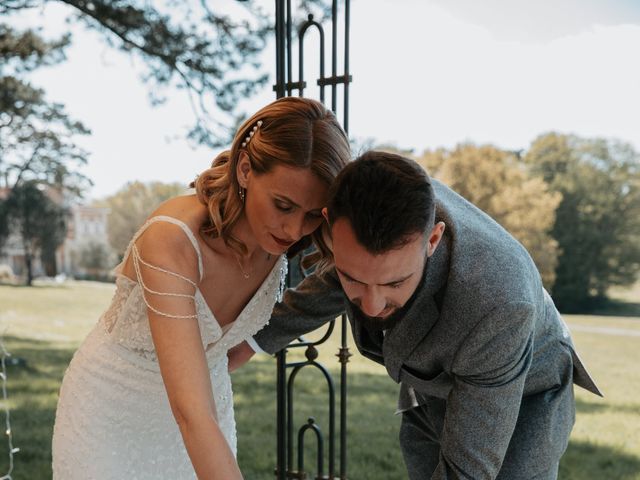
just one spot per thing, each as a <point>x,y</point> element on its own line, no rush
<point>295,132</point>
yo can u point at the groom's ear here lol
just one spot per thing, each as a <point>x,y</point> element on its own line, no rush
<point>325,214</point>
<point>326,230</point>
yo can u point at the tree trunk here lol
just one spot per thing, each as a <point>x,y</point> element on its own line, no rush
<point>28,260</point>
<point>49,263</point>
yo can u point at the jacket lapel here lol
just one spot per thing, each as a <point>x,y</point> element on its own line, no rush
<point>400,341</point>
<point>369,343</point>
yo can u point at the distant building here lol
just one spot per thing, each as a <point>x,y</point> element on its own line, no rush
<point>86,230</point>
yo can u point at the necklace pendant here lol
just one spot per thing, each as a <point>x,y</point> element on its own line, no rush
<point>246,275</point>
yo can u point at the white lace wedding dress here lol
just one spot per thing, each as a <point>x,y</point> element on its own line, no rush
<point>113,419</point>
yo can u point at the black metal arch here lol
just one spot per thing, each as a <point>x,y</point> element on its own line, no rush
<point>284,46</point>
<point>285,86</point>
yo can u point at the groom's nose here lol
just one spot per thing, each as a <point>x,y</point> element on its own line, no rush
<point>372,302</point>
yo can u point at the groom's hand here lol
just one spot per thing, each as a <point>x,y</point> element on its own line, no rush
<point>239,355</point>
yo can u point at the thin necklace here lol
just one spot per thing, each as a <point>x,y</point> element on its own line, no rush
<point>244,273</point>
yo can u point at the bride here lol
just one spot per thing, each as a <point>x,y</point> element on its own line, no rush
<point>148,395</point>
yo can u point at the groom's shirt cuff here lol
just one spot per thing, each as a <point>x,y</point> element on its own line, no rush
<point>254,346</point>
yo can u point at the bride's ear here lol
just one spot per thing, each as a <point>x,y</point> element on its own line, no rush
<point>243,169</point>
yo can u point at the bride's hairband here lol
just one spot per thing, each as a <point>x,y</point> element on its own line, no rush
<point>253,130</point>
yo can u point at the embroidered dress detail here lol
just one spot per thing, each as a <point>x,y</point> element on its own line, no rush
<point>113,418</point>
<point>283,279</point>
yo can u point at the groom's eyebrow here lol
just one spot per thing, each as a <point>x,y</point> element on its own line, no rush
<point>349,277</point>
<point>387,284</point>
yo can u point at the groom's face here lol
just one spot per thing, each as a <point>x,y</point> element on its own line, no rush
<point>378,284</point>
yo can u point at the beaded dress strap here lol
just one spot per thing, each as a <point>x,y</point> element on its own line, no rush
<point>137,260</point>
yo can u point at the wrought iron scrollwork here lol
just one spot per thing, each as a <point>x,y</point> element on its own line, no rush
<point>285,85</point>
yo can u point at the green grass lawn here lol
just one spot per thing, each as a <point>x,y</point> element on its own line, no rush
<point>43,325</point>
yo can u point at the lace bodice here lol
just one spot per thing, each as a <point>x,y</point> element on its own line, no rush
<point>126,318</point>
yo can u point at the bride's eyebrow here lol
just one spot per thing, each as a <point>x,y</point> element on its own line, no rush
<point>284,198</point>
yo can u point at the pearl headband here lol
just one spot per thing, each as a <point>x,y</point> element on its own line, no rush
<point>253,130</point>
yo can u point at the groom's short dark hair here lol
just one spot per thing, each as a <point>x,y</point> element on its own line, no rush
<point>385,197</point>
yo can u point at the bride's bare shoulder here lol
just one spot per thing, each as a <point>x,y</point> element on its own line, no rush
<point>162,237</point>
<point>186,208</point>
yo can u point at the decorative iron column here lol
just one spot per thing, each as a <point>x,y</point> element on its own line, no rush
<point>288,441</point>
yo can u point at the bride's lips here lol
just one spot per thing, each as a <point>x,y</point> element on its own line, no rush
<point>282,242</point>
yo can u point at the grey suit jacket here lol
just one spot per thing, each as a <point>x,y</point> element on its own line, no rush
<point>481,334</point>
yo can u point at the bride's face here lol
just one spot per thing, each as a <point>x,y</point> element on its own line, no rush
<point>283,205</point>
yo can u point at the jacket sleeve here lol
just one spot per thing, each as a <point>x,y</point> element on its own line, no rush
<point>489,371</point>
<point>317,300</point>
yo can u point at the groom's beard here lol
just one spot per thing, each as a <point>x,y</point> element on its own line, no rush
<point>377,324</point>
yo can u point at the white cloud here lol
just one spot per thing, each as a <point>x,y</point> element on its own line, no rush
<point>542,20</point>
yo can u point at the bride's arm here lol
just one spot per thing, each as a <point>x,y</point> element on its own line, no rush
<point>186,378</point>
<point>181,356</point>
<point>239,355</point>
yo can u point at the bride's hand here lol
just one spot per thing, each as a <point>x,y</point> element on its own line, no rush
<point>239,355</point>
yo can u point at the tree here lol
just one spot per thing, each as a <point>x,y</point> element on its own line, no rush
<point>198,47</point>
<point>598,221</point>
<point>496,182</point>
<point>131,205</point>
<point>95,258</point>
<point>39,222</point>
<point>36,136</point>
<point>37,149</point>
<point>209,50</point>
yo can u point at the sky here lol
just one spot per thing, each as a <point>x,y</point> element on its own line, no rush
<point>426,74</point>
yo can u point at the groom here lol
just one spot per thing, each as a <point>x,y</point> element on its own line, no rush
<point>454,308</point>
